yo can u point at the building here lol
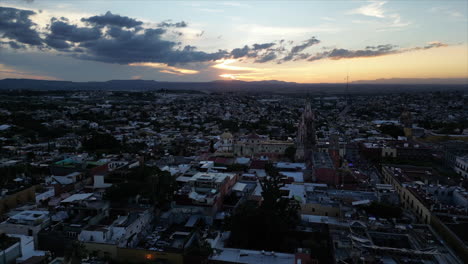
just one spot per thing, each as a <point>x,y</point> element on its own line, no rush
<point>432,203</point>
<point>124,231</point>
<point>28,223</point>
<point>306,138</point>
<point>206,191</point>
<point>10,249</point>
<point>406,119</point>
<point>254,145</point>
<point>461,166</point>
<point>226,143</point>
<point>10,199</point>
<point>323,169</point>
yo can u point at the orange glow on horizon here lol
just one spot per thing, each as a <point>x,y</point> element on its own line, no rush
<point>444,62</point>
<point>15,74</point>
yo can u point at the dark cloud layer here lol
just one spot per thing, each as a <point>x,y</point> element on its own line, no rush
<point>113,38</point>
<point>306,44</point>
<point>13,45</point>
<point>369,51</point>
<point>118,39</point>
<point>263,46</point>
<point>122,46</point>
<point>267,57</point>
<point>262,52</point>
<point>180,24</point>
<point>295,54</point>
<point>15,24</point>
<point>110,19</point>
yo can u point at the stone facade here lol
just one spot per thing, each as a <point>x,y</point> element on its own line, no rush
<point>306,138</point>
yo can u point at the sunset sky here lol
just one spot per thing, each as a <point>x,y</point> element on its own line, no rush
<point>302,41</point>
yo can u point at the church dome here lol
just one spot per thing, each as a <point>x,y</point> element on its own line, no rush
<point>226,135</point>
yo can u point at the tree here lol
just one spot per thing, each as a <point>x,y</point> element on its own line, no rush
<point>237,167</point>
<point>212,149</point>
<point>266,225</point>
<point>392,130</point>
<point>101,142</point>
<point>75,253</point>
<point>150,182</point>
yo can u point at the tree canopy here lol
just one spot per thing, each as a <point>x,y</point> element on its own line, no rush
<point>149,182</point>
<point>266,225</point>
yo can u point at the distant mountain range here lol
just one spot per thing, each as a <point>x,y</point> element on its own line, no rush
<point>272,86</point>
<point>460,81</point>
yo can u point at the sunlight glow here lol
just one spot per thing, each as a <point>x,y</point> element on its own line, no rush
<point>225,65</point>
<point>165,68</point>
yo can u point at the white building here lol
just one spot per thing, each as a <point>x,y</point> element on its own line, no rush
<point>27,223</point>
<point>461,166</point>
<point>123,232</point>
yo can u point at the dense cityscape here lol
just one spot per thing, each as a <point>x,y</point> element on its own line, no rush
<point>233,132</point>
<point>192,177</point>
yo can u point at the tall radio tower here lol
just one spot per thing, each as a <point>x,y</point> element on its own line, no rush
<point>348,100</point>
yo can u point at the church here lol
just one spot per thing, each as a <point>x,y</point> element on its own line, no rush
<point>306,138</point>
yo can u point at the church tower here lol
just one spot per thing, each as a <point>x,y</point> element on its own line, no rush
<point>406,119</point>
<point>306,138</point>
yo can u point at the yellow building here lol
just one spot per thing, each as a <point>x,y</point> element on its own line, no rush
<point>11,201</point>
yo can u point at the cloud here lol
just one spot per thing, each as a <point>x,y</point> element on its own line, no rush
<point>13,73</point>
<point>234,4</point>
<point>266,57</point>
<point>13,44</point>
<point>117,43</point>
<point>107,38</point>
<point>310,42</point>
<point>225,65</point>
<point>210,10</point>
<point>260,30</point>
<point>369,51</point>
<point>165,68</point>
<point>263,46</point>
<point>446,11</point>
<point>15,24</point>
<point>62,33</point>
<point>373,9</point>
<point>116,39</point>
<point>112,38</point>
<point>199,35</point>
<point>435,44</point>
<point>109,19</point>
<point>295,52</point>
<point>167,23</point>
<point>251,52</point>
<point>240,52</point>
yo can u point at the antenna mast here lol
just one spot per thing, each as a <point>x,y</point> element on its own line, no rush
<point>347,88</point>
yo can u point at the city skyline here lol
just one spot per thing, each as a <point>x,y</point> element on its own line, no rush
<point>306,42</point>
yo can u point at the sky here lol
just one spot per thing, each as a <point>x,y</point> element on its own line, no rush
<point>295,41</point>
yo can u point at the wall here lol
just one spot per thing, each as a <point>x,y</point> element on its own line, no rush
<point>455,243</point>
<point>319,209</point>
<point>407,198</point>
<point>12,201</point>
<point>10,254</point>
<point>101,250</point>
